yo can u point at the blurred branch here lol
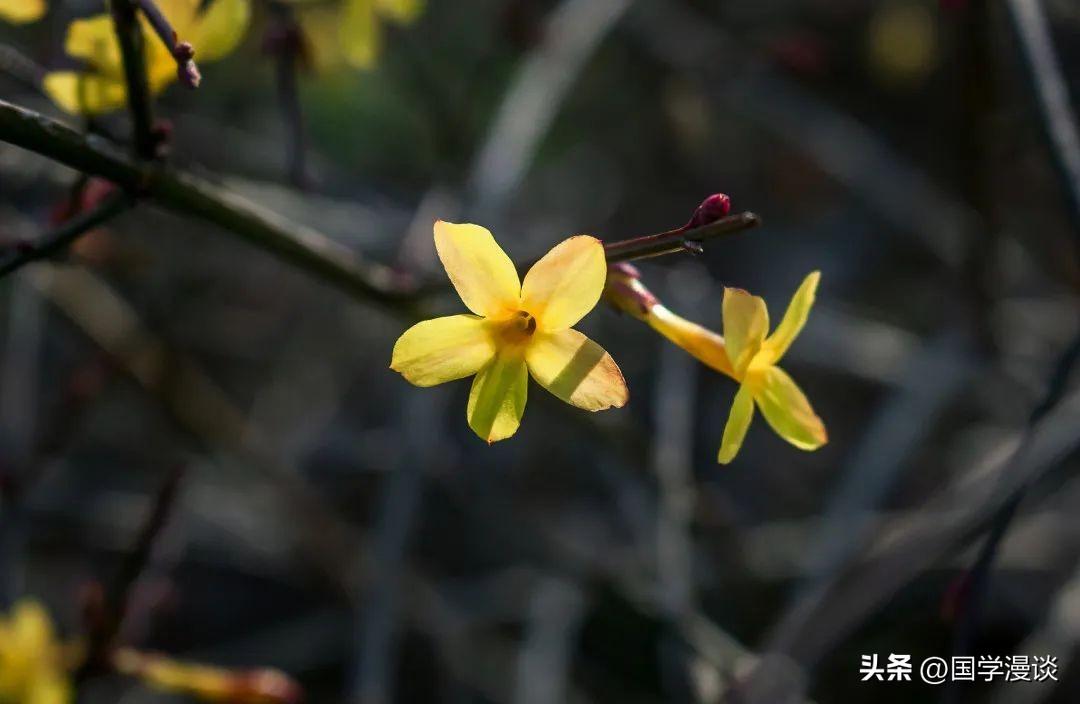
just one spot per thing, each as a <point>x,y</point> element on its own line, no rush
<point>132,51</point>
<point>22,68</point>
<point>1052,96</point>
<point>102,635</point>
<point>285,43</point>
<point>66,233</point>
<point>190,195</point>
<point>182,52</point>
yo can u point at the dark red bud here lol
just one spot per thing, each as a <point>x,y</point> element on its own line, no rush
<point>713,208</point>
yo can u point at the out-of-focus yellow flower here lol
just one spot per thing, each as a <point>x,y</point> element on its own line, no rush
<point>21,11</point>
<point>215,684</point>
<point>350,33</point>
<point>517,326</point>
<point>744,353</point>
<point>214,32</point>
<point>32,669</point>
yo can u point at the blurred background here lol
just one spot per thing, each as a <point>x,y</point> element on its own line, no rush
<point>334,522</point>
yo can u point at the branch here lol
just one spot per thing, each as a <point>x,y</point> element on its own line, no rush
<point>182,52</point>
<point>66,233</point>
<point>132,51</point>
<point>679,240</point>
<point>192,196</point>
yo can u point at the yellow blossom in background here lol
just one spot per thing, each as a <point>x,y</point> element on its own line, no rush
<point>32,669</point>
<point>21,11</point>
<point>743,352</point>
<point>206,682</point>
<point>350,33</point>
<point>518,328</point>
<point>214,32</point>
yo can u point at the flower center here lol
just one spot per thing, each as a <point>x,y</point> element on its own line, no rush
<point>518,328</point>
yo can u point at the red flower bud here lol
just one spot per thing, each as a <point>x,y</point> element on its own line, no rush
<point>713,208</point>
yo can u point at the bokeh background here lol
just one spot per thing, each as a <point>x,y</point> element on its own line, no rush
<point>336,523</point>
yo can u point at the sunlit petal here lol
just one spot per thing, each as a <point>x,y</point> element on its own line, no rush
<point>566,283</point>
<point>794,318</point>
<point>576,370</point>
<point>787,410</point>
<point>402,11</point>
<point>443,349</point>
<point>85,94</point>
<point>483,275</point>
<point>746,320</point>
<point>93,40</point>
<point>219,29</point>
<point>497,397</point>
<point>359,33</point>
<point>49,688</point>
<point>21,11</point>
<point>742,412</point>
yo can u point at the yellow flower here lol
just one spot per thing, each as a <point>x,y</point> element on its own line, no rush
<point>31,660</point>
<point>214,32</point>
<point>744,353</point>
<point>206,682</point>
<point>21,11</point>
<point>350,33</point>
<point>517,326</point>
<point>753,358</point>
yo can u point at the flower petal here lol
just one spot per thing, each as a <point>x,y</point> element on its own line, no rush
<point>566,283</point>
<point>794,318</point>
<point>483,275</point>
<point>219,29</point>
<point>85,94</point>
<point>93,40</point>
<point>497,398</point>
<point>576,370</point>
<point>21,11</point>
<point>746,320</point>
<point>443,349</point>
<point>49,688</point>
<point>787,411</point>
<point>738,422</point>
<point>359,33</point>
<point>401,11</point>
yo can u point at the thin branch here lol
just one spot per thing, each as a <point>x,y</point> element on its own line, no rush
<point>102,636</point>
<point>285,43</point>
<point>192,196</point>
<point>21,68</point>
<point>132,51</point>
<point>66,233</point>
<point>182,52</point>
<point>1052,95</point>
<point>679,240</point>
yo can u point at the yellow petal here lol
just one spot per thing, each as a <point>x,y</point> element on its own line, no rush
<point>85,94</point>
<point>401,11</point>
<point>787,411</point>
<point>443,349</point>
<point>31,627</point>
<point>359,33</point>
<point>746,320</point>
<point>219,29</point>
<point>94,41</point>
<point>497,398</point>
<point>21,11</point>
<point>576,370</point>
<point>49,688</point>
<point>181,15</point>
<point>483,275</point>
<point>566,283</point>
<point>742,412</point>
<point>703,344</point>
<point>794,318</point>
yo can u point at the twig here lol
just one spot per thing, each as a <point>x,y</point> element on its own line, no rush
<point>132,51</point>
<point>1051,94</point>
<point>22,68</point>
<point>182,52</point>
<point>286,44</point>
<point>102,635</point>
<point>192,196</point>
<point>66,233</point>
<point>679,240</point>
